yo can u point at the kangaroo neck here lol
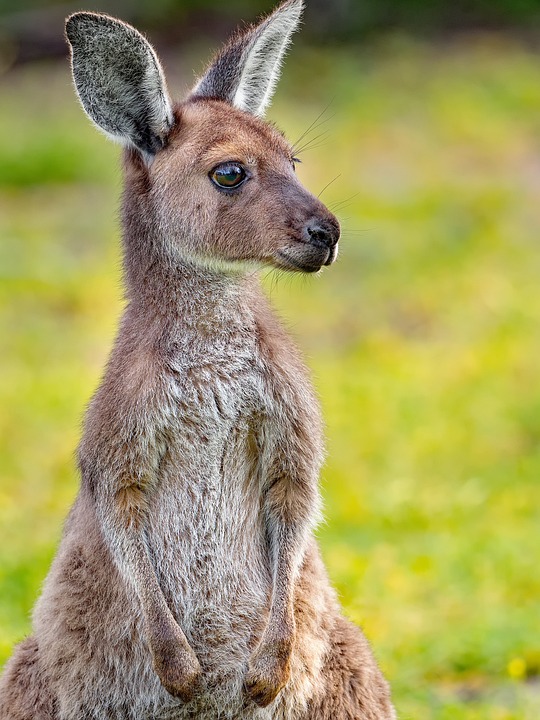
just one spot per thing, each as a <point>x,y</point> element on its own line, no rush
<point>193,293</point>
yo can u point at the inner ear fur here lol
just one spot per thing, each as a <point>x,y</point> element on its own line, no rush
<point>246,70</point>
<point>119,81</point>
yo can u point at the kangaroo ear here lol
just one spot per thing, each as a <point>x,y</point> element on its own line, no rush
<point>246,71</point>
<point>119,81</point>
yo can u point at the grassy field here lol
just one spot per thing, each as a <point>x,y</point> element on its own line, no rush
<point>423,339</point>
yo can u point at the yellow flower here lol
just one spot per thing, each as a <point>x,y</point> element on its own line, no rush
<point>517,668</point>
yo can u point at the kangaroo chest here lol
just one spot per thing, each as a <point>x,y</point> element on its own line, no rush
<point>207,507</point>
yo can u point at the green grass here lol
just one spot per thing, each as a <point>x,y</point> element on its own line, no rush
<point>423,340</point>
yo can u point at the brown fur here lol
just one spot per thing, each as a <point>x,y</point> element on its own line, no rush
<point>188,583</point>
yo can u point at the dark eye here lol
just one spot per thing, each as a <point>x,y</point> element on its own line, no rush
<point>228,175</point>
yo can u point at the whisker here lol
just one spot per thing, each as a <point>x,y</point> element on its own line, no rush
<point>314,147</point>
<point>308,145</point>
<point>318,125</point>
<point>343,203</point>
<point>328,185</point>
<point>314,123</point>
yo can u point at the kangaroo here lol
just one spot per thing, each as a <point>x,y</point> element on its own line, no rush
<point>188,583</point>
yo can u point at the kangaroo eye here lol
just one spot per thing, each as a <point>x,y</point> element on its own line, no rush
<point>228,175</point>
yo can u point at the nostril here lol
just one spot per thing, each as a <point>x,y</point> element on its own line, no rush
<point>321,233</point>
<point>317,233</point>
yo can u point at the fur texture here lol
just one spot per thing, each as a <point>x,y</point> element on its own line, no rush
<point>188,583</point>
<point>119,81</point>
<point>246,71</point>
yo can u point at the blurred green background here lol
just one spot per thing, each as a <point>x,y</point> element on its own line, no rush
<point>423,339</point>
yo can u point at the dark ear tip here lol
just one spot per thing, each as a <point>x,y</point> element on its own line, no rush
<point>85,19</point>
<point>70,26</point>
<point>74,21</point>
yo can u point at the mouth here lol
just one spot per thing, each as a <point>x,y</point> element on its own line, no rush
<point>332,255</point>
<point>305,257</point>
<point>300,264</point>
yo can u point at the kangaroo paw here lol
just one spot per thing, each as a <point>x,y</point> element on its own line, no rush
<point>268,671</point>
<point>179,672</point>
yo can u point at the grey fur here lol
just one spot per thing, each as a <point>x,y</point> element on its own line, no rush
<point>119,80</point>
<point>246,70</point>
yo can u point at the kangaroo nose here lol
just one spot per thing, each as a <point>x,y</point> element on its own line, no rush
<point>322,232</point>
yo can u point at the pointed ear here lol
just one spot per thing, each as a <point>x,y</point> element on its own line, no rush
<point>246,71</point>
<point>119,81</point>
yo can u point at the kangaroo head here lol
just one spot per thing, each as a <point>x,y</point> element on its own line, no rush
<point>207,177</point>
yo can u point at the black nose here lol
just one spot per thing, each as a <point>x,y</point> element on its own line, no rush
<point>322,232</point>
